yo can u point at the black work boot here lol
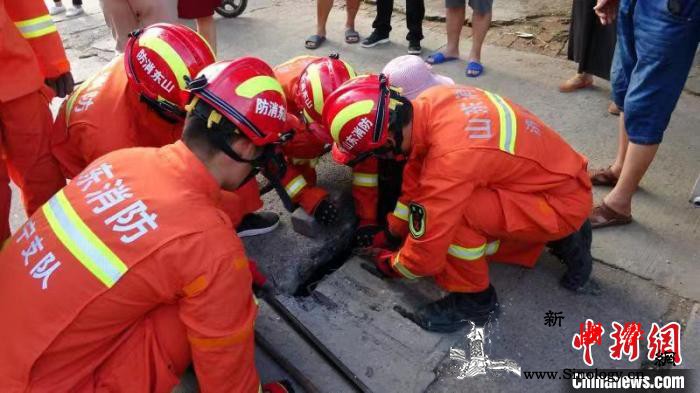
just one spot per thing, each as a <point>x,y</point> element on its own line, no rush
<point>575,252</point>
<point>456,310</point>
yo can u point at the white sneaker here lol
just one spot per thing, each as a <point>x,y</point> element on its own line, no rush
<point>55,10</point>
<point>74,11</point>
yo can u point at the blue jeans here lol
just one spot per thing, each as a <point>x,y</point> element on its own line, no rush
<point>656,43</point>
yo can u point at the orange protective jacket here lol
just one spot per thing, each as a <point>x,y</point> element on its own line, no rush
<point>463,139</point>
<point>104,114</point>
<point>105,251</point>
<point>30,48</point>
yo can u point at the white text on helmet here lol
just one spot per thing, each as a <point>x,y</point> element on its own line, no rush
<point>270,109</point>
<point>150,68</point>
<point>360,130</point>
<point>305,96</point>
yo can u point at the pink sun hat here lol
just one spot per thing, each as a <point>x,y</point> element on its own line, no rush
<point>413,75</point>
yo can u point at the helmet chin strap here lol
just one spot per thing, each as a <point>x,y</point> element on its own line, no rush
<point>166,110</point>
<point>269,158</point>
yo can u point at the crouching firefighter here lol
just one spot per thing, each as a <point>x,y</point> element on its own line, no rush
<point>138,100</point>
<point>484,180</point>
<point>113,286</point>
<point>306,81</point>
<point>412,76</point>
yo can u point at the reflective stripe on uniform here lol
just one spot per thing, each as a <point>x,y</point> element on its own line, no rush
<point>258,84</point>
<point>166,52</point>
<point>348,113</point>
<point>473,253</point>
<point>401,211</point>
<point>466,253</point>
<point>85,246</point>
<point>308,117</point>
<point>351,71</point>
<point>294,186</point>
<point>316,89</point>
<point>492,247</point>
<point>508,122</point>
<point>365,179</point>
<point>36,27</point>
<point>399,267</point>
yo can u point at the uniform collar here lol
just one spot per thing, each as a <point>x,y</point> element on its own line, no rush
<point>190,169</point>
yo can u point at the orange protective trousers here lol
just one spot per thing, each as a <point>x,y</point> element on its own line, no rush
<point>25,124</point>
<point>151,359</point>
<point>484,223</point>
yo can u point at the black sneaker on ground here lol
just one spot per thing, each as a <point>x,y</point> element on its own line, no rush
<point>455,311</point>
<point>254,224</point>
<point>575,252</point>
<point>414,48</point>
<point>374,39</point>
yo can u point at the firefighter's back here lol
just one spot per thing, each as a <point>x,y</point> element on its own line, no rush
<point>127,235</point>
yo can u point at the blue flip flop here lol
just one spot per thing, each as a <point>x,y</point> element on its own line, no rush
<point>475,67</point>
<point>439,58</point>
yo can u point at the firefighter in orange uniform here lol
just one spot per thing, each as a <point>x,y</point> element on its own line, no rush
<point>485,180</point>
<point>110,287</point>
<point>32,59</point>
<point>412,76</point>
<point>138,100</point>
<point>306,81</point>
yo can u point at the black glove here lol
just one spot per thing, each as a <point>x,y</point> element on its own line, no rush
<point>374,236</point>
<point>326,212</point>
<point>61,85</point>
<point>369,236</point>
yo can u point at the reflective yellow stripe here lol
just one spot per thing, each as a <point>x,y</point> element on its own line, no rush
<point>401,211</point>
<point>39,32</point>
<point>403,269</point>
<point>76,94</point>
<point>85,246</point>
<point>72,98</point>
<point>316,88</point>
<point>465,253</point>
<point>294,186</point>
<point>167,53</point>
<point>348,113</point>
<point>36,27</point>
<point>257,85</point>
<point>492,247</point>
<point>351,71</point>
<point>364,179</point>
<point>308,117</point>
<point>33,21</point>
<point>508,123</point>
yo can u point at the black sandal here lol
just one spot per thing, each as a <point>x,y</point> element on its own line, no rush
<point>352,36</point>
<point>314,41</point>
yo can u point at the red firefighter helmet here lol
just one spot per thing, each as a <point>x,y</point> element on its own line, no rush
<point>357,116</point>
<point>160,58</point>
<point>319,79</point>
<point>245,92</point>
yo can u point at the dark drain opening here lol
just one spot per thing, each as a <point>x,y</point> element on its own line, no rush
<point>309,285</point>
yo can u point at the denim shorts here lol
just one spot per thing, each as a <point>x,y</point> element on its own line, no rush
<point>656,43</point>
<point>479,6</point>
